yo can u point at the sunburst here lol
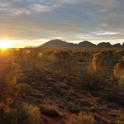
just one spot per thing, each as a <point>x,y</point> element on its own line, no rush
<point>4,44</point>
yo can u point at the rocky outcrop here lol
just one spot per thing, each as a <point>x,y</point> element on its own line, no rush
<point>56,43</point>
<point>86,44</point>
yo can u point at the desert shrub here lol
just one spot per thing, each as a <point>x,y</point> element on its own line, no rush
<point>73,109</point>
<point>119,122</point>
<point>103,62</point>
<point>74,120</point>
<point>119,73</point>
<point>94,82</point>
<point>10,72</point>
<point>98,61</point>
<point>95,59</point>
<point>113,95</point>
<point>51,111</point>
<point>83,118</point>
<point>28,114</point>
<point>121,82</point>
<point>7,117</point>
<point>86,118</point>
<point>13,72</point>
<point>23,89</point>
<point>21,114</point>
<point>117,70</point>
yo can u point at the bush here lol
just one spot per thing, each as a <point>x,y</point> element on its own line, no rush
<point>51,111</point>
<point>22,114</point>
<point>10,72</point>
<point>117,70</point>
<point>23,89</point>
<point>119,73</point>
<point>7,117</point>
<point>103,62</point>
<point>28,114</point>
<point>83,118</point>
<point>94,82</point>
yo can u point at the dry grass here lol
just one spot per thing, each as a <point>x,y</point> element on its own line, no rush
<point>52,111</point>
<point>83,118</point>
<point>62,78</point>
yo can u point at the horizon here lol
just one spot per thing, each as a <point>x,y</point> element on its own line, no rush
<point>23,44</point>
<point>34,22</point>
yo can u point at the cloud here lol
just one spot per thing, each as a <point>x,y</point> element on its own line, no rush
<point>105,33</point>
<point>97,3</point>
<point>69,1</point>
<point>32,8</point>
<point>102,3</point>
<point>70,19</point>
<point>18,7</point>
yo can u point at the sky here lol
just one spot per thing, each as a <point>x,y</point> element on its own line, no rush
<point>34,22</point>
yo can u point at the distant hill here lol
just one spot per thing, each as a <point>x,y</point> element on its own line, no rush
<point>86,44</point>
<point>123,45</point>
<point>104,45</point>
<point>56,43</point>
<point>118,45</point>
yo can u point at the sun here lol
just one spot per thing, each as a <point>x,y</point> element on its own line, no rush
<point>4,44</point>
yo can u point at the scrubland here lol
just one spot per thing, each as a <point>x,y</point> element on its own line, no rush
<point>62,86</point>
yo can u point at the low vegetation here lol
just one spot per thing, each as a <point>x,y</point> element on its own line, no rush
<point>52,111</point>
<point>63,86</point>
<point>83,118</point>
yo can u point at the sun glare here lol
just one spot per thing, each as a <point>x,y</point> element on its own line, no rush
<point>4,44</point>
